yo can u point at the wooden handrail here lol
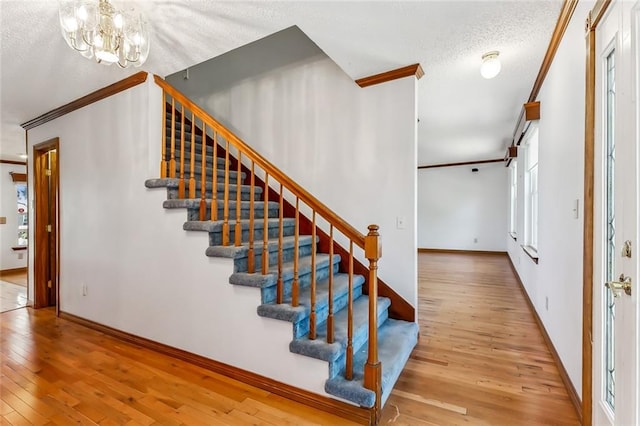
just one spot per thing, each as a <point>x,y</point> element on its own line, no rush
<point>369,243</point>
<point>349,231</point>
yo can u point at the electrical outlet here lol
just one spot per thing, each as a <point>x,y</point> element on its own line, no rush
<point>85,290</point>
<point>20,255</point>
<point>546,302</point>
<point>475,240</point>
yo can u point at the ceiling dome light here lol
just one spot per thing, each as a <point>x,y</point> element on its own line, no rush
<point>490,65</point>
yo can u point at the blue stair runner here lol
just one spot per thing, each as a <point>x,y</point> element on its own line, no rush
<point>396,339</point>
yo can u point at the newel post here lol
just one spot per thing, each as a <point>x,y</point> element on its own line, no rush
<point>373,368</point>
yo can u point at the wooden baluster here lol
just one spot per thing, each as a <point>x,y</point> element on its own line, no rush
<point>203,175</point>
<point>192,178</point>
<point>265,229</point>
<point>280,287</point>
<point>330,336</point>
<point>312,315</point>
<point>225,209</point>
<point>295,286</point>
<point>373,367</point>
<point>238,230</point>
<point>349,363</point>
<point>172,154</point>
<point>214,178</point>
<point>181,183</point>
<point>163,159</point>
<point>251,266</point>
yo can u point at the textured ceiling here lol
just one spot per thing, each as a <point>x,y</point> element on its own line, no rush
<point>462,116</point>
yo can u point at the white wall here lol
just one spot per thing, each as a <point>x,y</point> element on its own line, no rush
<point>354,149</point>
<point>143,273</point>
<point>10,259</point>
<point>558,276</point>
<point>457,206</point>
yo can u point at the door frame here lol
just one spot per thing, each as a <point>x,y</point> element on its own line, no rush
<point>41,238</point>
<point>593,19</point>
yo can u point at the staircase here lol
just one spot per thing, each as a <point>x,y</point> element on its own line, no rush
<point>328,305</point>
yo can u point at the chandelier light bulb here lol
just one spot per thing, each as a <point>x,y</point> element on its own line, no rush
<point>118,21</point>
<point>82,13</point>
<point>96,29</point>
<point>491,65</point>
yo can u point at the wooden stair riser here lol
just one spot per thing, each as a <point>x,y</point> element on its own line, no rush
<point>304,280</point>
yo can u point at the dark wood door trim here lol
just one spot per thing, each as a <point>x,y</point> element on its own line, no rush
<point>41,220</point>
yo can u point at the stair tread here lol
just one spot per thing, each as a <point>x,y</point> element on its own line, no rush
<point>238,252</point>
<point>286,312</point>
<point>270,279</point>
<point>175,183</point>
<point>320,349</point>
<point>396,340</point>
<point>216,225</point>
<point>193,203</point>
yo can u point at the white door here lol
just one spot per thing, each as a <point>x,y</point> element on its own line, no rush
<point>617,248</point>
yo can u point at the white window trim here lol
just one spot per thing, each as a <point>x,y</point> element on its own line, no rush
<point>531,207</point>
<point>513,200</point>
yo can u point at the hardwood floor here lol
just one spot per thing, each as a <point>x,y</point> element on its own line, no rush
<point>17,278</point>
<point>481,358</point>
<point>12,296</point>
<point>55,372</point>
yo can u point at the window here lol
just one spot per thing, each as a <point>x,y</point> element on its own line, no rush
<point>513,199</point>
<point>531,188</point>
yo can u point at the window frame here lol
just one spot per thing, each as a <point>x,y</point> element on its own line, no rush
<point>513,199</point>
<point>531,190</point>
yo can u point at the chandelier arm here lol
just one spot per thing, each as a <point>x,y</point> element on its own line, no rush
<point>85,39</point>
<point>137,56</point>
<point>75,46</point>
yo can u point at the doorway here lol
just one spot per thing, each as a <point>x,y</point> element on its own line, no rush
<point>46,179</point>
<point>616,226</point>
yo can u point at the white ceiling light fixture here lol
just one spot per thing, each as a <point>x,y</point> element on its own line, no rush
<point>490,65</point>
<point>98,30</point>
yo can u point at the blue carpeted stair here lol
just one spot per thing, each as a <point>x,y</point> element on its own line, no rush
<point>396,339</point>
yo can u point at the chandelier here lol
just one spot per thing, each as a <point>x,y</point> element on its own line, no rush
<point>98,30</point>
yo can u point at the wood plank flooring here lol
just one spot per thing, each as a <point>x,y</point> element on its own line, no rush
<point>55,372</point>
<point>17,278</point>
<point>481,359</point>
<point>12,296</point>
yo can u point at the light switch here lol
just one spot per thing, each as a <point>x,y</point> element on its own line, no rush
<point>400,222</point>
<point>576,209</point>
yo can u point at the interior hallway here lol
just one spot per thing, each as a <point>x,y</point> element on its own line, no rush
<point>481,358</point>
